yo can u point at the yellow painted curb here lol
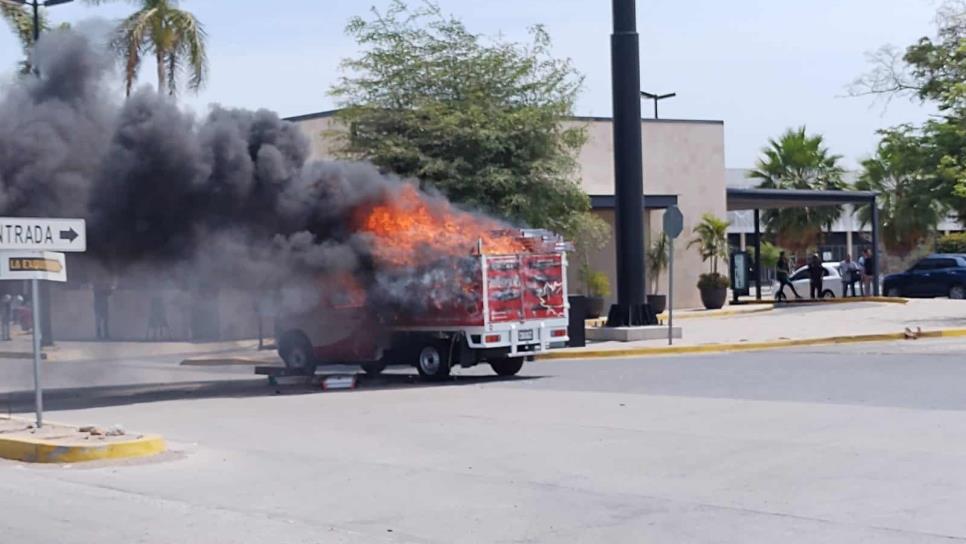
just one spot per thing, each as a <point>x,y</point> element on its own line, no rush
<point>744,346</point>
<point>224,361</point>
<point>717,313</point>
<point>846,300</point>
<point>40,451</point>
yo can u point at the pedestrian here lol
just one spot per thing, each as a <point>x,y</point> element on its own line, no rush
<point>815,273</point>
<point>6,316</point>
<point>868,272</point>
<point>848,271</point>
<point>102,296</point>
<point>158,320</point>
<point>782,271</point>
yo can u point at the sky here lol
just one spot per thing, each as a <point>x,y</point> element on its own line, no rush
<point>761,66</point>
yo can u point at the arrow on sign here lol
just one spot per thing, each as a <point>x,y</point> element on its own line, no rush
<point>70,234</point>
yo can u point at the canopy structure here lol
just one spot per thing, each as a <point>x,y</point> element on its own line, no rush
<point>770,199</point>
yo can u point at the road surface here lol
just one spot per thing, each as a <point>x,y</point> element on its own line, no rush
<point>849,444</point>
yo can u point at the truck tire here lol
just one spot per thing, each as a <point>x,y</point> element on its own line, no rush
<point>374,369</point>
<point>297,353</point>
<point>432,361</point>
<point>507,367</point>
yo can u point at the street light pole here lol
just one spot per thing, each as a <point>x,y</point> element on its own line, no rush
<point>656,98</point>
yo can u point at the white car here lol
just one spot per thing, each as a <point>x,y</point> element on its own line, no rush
<point>831,283</point>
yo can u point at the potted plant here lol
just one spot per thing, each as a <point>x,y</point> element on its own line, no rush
<point>590,233</point>
<point>711,237</point>
<point>597,288</point>
<point>657,260</point>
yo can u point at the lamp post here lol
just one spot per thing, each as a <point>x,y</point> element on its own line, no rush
<point>656,98</point>
<point>46,327</point>
<point>630,309</point>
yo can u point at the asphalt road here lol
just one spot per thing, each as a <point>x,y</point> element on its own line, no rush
<point>862,443</point>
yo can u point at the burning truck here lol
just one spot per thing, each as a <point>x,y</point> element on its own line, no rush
<point>445,287</point>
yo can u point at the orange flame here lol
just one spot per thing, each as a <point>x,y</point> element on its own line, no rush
<point>414,224</point>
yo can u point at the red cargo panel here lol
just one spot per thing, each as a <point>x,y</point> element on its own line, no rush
<point>525,286</point>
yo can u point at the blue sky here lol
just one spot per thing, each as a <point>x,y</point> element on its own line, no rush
<point>760,65</point>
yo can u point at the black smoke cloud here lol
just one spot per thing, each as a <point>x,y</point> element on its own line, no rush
<point>229,198</point>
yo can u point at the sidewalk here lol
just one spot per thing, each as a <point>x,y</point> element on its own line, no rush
<point>21,347</point>
<point>804,322</point>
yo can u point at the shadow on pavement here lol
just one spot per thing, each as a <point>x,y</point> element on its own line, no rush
<point>78,398</point>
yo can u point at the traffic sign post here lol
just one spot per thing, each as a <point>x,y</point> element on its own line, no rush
<point>673,225</point>
<point>30,250</point>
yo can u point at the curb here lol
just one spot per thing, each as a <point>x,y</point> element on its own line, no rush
<point>31,450</point>
<point>747,346</point>
<point>846,300</point>
<point>719,313</point>
<point>20,355</point>
<point>224,361</point>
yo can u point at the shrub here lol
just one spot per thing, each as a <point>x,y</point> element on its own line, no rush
<point>713,280</point>
<point>597,284</point>
<point>951,243</point>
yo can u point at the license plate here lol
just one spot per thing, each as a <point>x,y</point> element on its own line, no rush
<point>525,335</point>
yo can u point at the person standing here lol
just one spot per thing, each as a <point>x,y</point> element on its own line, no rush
<point>848,271</point>
<point>782,271</point>
<point>6,316</point>
<point>102,298</point>
<point>815,273</point>
<point>868,272</point>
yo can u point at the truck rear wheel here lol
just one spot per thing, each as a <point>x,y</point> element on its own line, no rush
<point>432,362</point>
<point>507,367</point>
<point>297,353</point>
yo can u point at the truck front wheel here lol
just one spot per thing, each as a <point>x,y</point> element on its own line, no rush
<point>433,361</point>
<point>507,367</point>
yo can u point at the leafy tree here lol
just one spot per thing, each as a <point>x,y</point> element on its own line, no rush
<point>479,119</point>
<point>769,255</point>
<point>175,37</point>
<point>657,260</point>
<point>933,71</point>
<point>899,172</point>
<point>590,233</point>
<point>799,161</point>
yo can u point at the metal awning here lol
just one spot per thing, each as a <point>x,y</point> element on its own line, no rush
<point>650,202</point>
<point>765,199</point>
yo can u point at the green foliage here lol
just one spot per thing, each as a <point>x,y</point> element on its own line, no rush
<point>657,259</point>
<point>799,161</point>
<point>951,243</point>
<point>597,283</point>
<point>713,281</point>
<point>900,173</point>
<point>932,70</point>
<point>479,119</point>
<point>769,255</point>
<point>711,237</point>
<point>175,37</point>
<point>589,233</point>
<point>21,21</point>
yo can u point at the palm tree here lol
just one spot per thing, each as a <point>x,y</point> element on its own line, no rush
<point>908,209</point>
<point>799,161</point>
<point>21,21</point>
<point>711,237</point>
<point>175,37</point>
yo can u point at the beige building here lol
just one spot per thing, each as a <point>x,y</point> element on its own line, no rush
<point>683,164</point>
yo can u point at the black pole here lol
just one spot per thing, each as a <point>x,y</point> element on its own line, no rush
<point>655,108</point>
<point>36,6</point>
<point>628,169</point>
<point>875,247</point>
<point>758,254</point>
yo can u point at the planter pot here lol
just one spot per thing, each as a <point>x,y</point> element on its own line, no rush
<point>658,303</point>
<point>713,297</point>
<point>595,307</point>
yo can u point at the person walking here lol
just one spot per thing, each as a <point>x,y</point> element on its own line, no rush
<point>868,272</point>
<point>782,271</point>
<point>102,298</point>
<point>848,271</point>
<point>815,273</point>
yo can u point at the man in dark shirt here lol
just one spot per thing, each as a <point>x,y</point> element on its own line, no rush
<point>815,273</point>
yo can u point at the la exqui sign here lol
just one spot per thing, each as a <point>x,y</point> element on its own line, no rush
<point>33,265</point>
<point>43,234</point>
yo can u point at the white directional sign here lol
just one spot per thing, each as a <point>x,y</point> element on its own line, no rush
<point>33,265</point>
<point>43,234</point>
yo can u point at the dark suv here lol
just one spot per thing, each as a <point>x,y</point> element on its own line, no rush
<point>938,275</point>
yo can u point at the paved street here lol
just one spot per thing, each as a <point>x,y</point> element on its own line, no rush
<point>861,443</point>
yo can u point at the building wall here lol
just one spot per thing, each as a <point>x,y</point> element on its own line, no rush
<point>683,158</point>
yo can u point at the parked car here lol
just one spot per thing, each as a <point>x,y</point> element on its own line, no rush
<point>938,275</point>
<point>831,282</point>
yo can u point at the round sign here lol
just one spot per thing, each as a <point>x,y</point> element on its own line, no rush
<point>673,222</point>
